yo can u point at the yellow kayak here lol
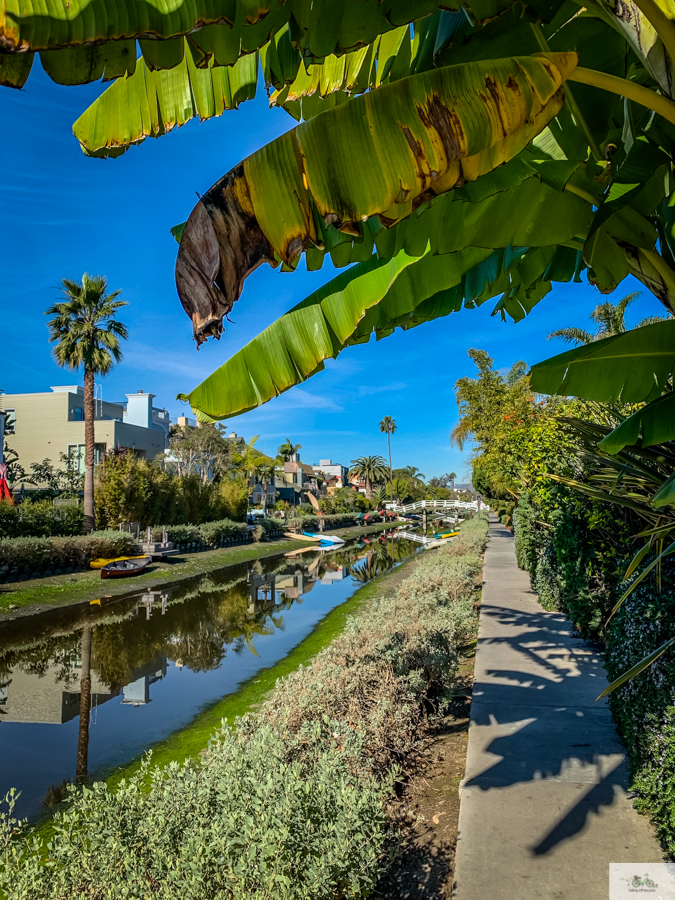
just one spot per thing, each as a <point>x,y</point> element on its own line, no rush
<point>99,563</point>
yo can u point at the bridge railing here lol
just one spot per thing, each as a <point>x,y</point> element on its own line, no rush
<point>435,504</point>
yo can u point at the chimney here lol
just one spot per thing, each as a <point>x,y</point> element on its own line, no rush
<point>139,409</point>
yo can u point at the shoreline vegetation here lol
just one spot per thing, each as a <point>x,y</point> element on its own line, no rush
<point>334,731</point>
<point>41,595</point>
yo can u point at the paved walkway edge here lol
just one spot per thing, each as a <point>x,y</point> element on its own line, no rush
<point>544,807</point>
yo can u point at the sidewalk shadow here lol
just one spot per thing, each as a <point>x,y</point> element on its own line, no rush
<point>599,795</point>
<point>543,684</point>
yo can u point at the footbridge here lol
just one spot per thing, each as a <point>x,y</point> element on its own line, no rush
<point>474,505</point>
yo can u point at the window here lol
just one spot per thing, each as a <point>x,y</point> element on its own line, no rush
<point>76,452</point>
<point>10,421</point>
<point>77,414</point>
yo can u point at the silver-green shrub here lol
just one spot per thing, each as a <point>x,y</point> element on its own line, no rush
<point>395,659</point>
<point>245,822</point>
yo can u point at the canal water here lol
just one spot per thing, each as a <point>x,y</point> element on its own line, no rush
<point>155,659</point>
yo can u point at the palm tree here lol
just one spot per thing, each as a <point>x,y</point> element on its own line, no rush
<point>371,470</point>
<point>287,450</point>
<point>388,427</point>
<point>609,318</point>
<point>86,333</point>
<point>413,473</point>
<point>380,496</point>
<point>266,473</point>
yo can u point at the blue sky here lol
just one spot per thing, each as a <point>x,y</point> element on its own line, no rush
<point>63,214</point>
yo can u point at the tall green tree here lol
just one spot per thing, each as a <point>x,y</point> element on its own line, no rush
<point>609,319</point>
<point>371,470</point>
<point>204,451</point>
<point>86,334</point>
<point>388,427</point>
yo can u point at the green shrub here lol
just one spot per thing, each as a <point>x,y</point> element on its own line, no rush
<point>526,544</point>
<point>215,532</point>
<point>40,518</point>
<point>246,822</point>
<point>30,555</point>
<point>269,526</point>
<point>183,534</point>
<point>129,489</point>
<point>643,708</point>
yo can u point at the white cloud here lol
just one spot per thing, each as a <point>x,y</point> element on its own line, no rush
<point>149,359</point>
<point>375,388</point>
<point>300,399</point>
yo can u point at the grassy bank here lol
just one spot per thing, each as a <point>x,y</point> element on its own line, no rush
<point>68,590</point>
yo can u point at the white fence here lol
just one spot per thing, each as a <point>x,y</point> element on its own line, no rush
<point>436,504</point>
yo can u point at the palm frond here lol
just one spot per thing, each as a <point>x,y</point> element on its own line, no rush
<point>572,335</point>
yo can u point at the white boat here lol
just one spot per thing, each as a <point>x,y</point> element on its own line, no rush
<point>332,539</point>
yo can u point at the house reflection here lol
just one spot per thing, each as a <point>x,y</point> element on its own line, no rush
<point>137,693</point>
<point>52,696</point>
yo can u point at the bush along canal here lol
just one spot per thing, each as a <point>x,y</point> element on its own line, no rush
<point>85,693</point>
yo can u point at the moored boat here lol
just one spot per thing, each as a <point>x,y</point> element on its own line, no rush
<point>124,568</point>
<point>99,563</point>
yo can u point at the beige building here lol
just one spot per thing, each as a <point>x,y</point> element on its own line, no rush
<point>296,479</point>
<point>42,426</point>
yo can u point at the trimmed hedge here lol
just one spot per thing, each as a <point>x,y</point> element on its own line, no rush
<point>22,558</point>
<point>40,519</point>
<point>312,523</point>
<point>223,533</point>
<point>292,804</point>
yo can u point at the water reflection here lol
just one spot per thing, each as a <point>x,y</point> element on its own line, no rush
<point>116,678</point>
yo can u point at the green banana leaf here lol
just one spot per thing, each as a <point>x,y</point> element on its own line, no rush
<point>382,154</point>
<point>149,104</point>
<point>638,29</point>
<point>632,367</point>
<point>95,38</point>
<point>636,669</point>
<point>665,496</point>
<point>654,423</point>
<point>521,212</point>
<point>377,296</point>
<point>15,69</point>
<point>296,346</point>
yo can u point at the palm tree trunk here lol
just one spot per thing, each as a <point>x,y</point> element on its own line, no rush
<point>89,439</point>
<point>369,488</point>
<point>391,472</point>
<point>85,706</point>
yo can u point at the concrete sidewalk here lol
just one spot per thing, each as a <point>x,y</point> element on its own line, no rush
<point>544,808</point>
